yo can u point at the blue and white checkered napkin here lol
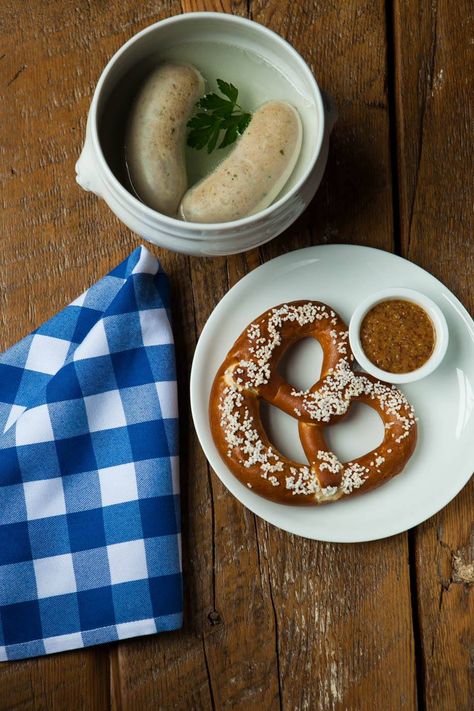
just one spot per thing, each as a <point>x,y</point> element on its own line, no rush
<point>89,502</point>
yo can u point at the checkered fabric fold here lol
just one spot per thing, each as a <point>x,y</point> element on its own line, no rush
<point>90,547</point>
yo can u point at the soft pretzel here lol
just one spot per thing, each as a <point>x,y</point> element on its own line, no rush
<point>249,373</point>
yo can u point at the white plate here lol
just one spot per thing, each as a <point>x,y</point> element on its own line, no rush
<point>341,276</point>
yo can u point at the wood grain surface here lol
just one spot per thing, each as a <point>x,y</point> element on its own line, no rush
<point>272,621</point>
<point>434,88</point>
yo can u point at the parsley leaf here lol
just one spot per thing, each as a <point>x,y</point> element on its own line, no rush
<point>228,90</point>
<point>216,114</point>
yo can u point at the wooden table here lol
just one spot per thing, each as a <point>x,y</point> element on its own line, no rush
<point>272,621</point>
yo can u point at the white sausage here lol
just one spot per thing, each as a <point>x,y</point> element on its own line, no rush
<point>157,132</point>
<point>251,177</point>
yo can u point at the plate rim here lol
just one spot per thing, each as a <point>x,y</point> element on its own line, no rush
<point>201,344</point>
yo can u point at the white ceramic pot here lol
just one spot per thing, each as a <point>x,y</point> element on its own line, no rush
<point>94,173</point>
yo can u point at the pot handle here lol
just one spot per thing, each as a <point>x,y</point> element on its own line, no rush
<point>86,169</point>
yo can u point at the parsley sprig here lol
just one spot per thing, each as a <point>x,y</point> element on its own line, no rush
<point>218,114</point>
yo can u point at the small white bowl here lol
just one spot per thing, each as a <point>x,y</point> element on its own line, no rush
<point>95,174</point>
<point>433,311</point>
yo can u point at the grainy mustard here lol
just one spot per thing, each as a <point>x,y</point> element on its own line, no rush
<point>397,336</point>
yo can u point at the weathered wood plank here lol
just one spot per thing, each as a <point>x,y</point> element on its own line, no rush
<point>343,612</point>
<point>240,645</point>
<point>434,89</point>
<point>344,44</point>
<point>71,680</point>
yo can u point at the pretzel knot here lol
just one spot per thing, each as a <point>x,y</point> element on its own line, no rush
<point>249,374</point>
